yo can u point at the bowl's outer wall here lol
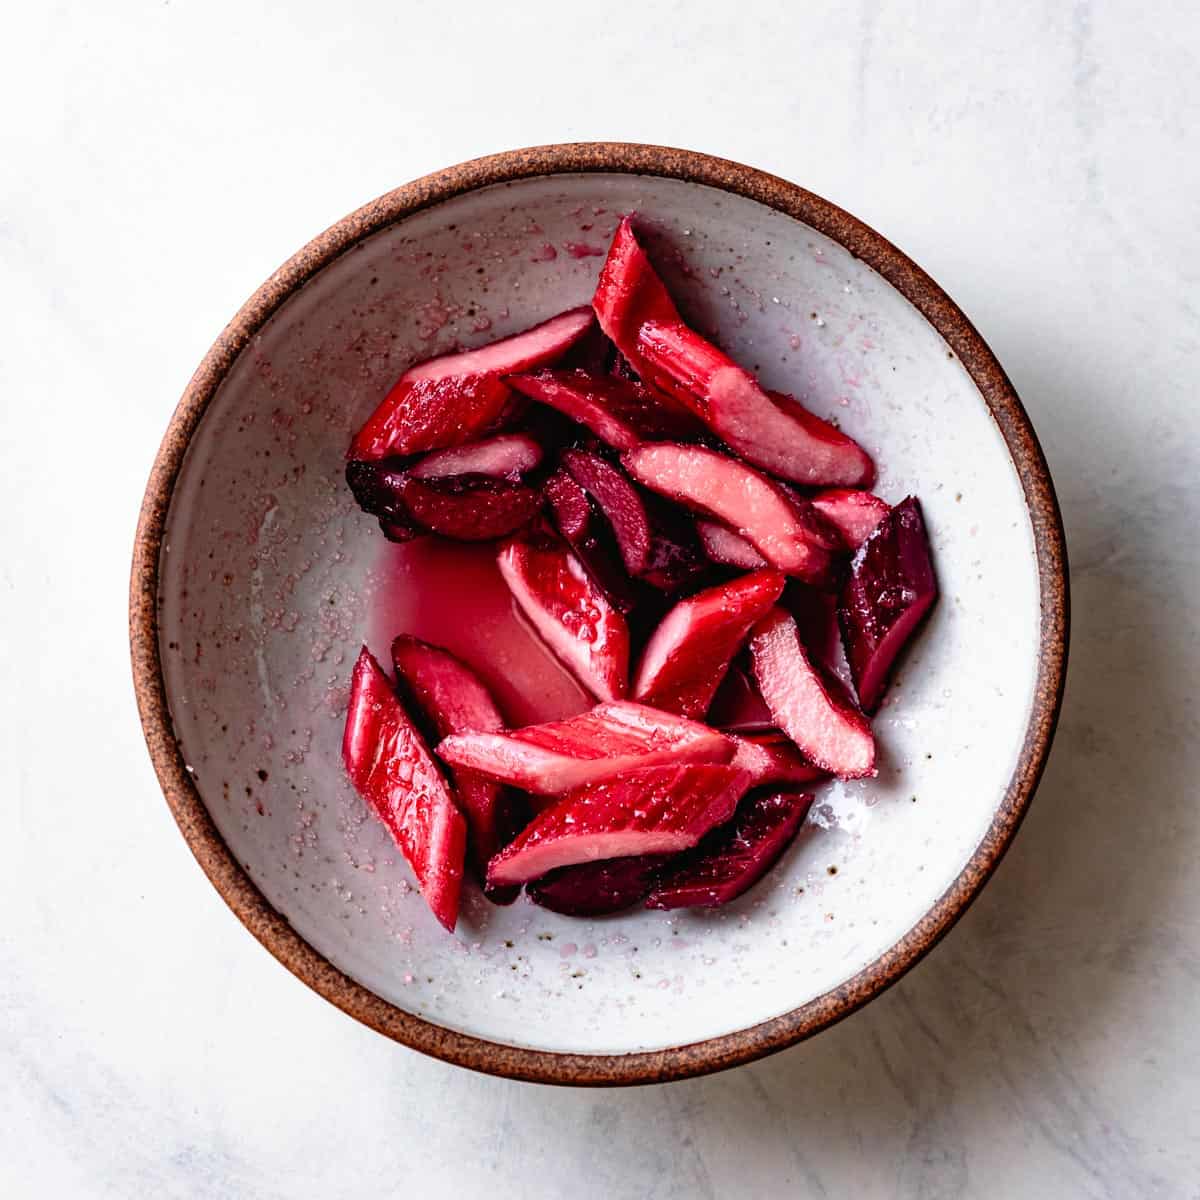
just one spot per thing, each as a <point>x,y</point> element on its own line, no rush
<point>269,578</point>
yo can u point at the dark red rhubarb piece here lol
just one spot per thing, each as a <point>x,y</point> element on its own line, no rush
<point>619,413</point>
<point>455,398</point>
<point>775,434</point>
<point>788,535</point>
<point>729,549</point>
<point>737,707</point>
<point>891,588</point>
<point>660,810</point>
<point>569,610</point>
<point>390,767</point>
<point>773,758</point>
<point>657,545</point>
<point>853,513</point>
<point>594,889</point>
<point>453,699</point>
<point>688,654</point>
<point>808,705</point>
<point>506,456</point>
<point>731,860</point>
<point>470,508</point>
<point>605,741</point>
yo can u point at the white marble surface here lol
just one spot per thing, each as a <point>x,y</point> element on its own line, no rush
<point>159,160</point>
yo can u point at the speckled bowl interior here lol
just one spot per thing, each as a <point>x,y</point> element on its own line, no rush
<point>270,579</point>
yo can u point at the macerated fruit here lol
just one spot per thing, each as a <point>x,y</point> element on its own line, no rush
<point>688,654</point>
<point>619,413</point>
<point>778,435</point>
<point>773,758</point>
<point>732,859</point>
<point>891,588</point>
<point>657,545</point>
<point>453,699</point>
<point>568,610</point>
<point>594,889</point>
<point>507,455</point>
<point>470,508</point>
<point>587,533</point>
<point>729,549</point>
<point>788,536</point>
<point>598,744</point>
<point>852,512</point>
<point>807,705</point>
<point>659,810</point>
<point>453,399</point>
<point>390,767</point>
<point>737,707</point>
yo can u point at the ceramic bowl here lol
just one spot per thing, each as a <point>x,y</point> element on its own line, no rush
<point>255,580</point>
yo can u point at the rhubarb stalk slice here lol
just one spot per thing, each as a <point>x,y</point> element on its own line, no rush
<point>390,767</point>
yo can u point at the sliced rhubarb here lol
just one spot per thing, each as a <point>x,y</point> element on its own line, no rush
<point>453,699</point>
<point>729,549</point>
<point>852,512</point>
<point>689,653</point>
<point>773,758</point>
<point>808,705</point>
<point>390,766</point>
<point>660,810</point>
<point>618,412</point>
<point>425,414</point>
<point>508,455</point>
<point>737,707</point>
<point>569,610</point>
<point>399,531</point>
<point>605,741</point>
<point>780,436</point>
<point>535,347</point>
<point>630,293</point>
<point>789,537</point>
<point>594,889</point>
<point>891,588</point>
<point>656,545</point>
<point>576,519</point>
<point>731,860</point>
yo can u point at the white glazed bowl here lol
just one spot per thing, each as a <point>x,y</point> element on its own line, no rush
<point>256,579</point>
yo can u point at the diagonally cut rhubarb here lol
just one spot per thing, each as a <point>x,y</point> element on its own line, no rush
<point>688,654</point>
<point>568,610</point>
<point>732,859</point>
<point>807,705</point>
<point>853,513</point>
<point>507,455</point>
<point>773,758</point>
<point>390,767</point>
<point>660,810</point>
<point>608,740</point>
<point>891,588</point>
<point>746,500</point>
<point>729,549</point>
<point>776,434</point>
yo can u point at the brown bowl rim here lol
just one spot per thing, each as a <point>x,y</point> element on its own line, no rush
<point>712,1054</point>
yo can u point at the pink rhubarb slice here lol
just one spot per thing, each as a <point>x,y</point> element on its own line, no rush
<point>853,513</point>
<point>891,588</point>
<point>569,610</point>
<point>453,699</point>
<point>472,508</point>
<point>453,399</point>
<point>508,455</point>
<point>689,653</point>
<point>390,767</point>
<point>789,536</point>
<point>778,435</point>
<point>731,860</point>
<point>808,705</point>
<point>608,740</point>
<point>619,413</point>
<point>729,549</point>
<point>594,889</point>
<point>773,758</point>
<point>659,810</point>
